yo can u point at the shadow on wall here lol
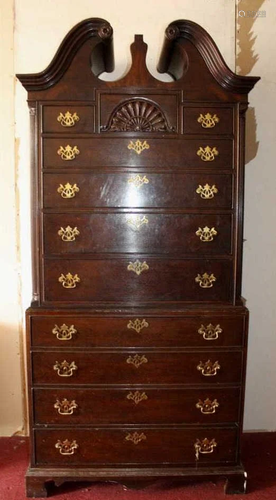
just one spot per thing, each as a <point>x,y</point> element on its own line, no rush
<point>248,12</point>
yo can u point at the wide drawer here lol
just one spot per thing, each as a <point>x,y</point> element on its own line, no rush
<point>132,280</point>
<point>137,233</point>
<point>68,119</point>
<point>137,190</point>
<point>135,446</point>
<point>66,330</point>
<point>118,152</point>
<point>133,367</point>
<point>123,406</point>
<point>208,120</point>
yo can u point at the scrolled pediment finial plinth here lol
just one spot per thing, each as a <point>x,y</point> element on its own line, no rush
<point>172,32</point>
<point>105,31</point>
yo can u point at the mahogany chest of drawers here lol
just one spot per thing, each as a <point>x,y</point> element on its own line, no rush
<point>137,331</point>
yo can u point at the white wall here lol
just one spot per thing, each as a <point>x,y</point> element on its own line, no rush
<point>10,322</point>
<point>39,28</point>
<point>260,216</point>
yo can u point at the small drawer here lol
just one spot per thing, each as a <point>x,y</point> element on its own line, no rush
<point>120,112</point>
<point>136,367</point>
<point>137,279</point>
<point>116,152</point>
<point>208,120</point>
<point>71,233</point>
<point>69,406</point>
<point>135,445</point>
<point>79,330</point>
<point>68,119</point>
<point>137,190</point>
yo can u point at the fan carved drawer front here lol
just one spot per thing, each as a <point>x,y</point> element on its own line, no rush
<point>75,406</point>
<point>64,331</point>
<point>137,152</point>
<point>137,367</point>
<point>135,445</point>
<point>130,232</point>
<point>121,113</point>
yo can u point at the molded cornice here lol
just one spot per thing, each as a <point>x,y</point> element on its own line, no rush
<point>102,60</point>
<point>188,30</point>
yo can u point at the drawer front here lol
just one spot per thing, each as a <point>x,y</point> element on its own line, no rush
<point>121,406</point>
<point>65,331</point>
<point>122,112</point>
<point>208,120</point>
<point>132,367</point>
<point>116,152</point>
<point>137,233</point>
<point>138,190</point>
<point>136,279</point>
<point>69,119</point>
<point>135,446</point>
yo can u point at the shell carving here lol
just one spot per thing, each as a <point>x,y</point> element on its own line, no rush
<point>137,115</point>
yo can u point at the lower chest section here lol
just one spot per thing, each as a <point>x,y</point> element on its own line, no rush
<point>136,388</point>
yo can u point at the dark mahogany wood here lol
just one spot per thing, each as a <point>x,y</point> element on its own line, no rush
<point>134,232</point>
<point>119,331</point>
<point>85,122</point>
<point>36,487</point>
<point>164,367</point>
<point>165,280</point>
<point>116,189</point>
<point>114,152</point>
<point>114,317</point>
<point>177,33</point>
<point>121,406</point>
<point>95,30</point>
<point>38,479</point>
<point>236,484</point>
<point>191,125</point>
<point>116,108</point>
<point>110,446</point>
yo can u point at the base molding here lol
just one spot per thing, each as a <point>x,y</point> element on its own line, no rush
<point>37,480</point>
